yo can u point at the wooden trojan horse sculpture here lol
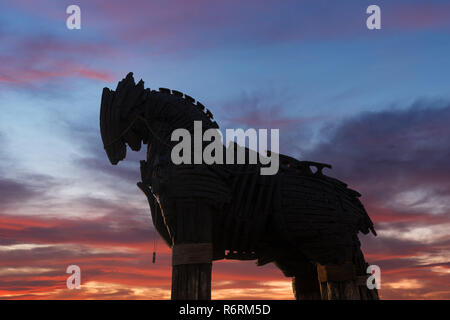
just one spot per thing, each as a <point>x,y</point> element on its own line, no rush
<point>300,219</point>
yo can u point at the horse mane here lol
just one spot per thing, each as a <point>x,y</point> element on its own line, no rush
<point>130,97</point>
<point>189,104</point>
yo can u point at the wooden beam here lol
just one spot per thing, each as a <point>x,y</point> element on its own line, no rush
<point>192,251</point>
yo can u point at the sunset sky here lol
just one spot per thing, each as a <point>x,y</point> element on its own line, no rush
<point>373,103</point>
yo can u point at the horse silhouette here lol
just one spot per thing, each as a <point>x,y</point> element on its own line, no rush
<point>300,219</point>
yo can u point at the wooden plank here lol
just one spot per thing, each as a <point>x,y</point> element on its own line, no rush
<point>191,280</point>
<point>305,283</point>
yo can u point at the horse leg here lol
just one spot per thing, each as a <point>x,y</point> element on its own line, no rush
<point>191,230</point>
<point>305,283</point>
<point>361,269</point>
<point>346,281</point>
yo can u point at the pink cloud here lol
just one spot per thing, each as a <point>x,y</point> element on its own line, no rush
<point>414,16</point>
<point>29,61</point>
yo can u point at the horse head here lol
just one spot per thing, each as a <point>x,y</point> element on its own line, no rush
<point>120,115</point>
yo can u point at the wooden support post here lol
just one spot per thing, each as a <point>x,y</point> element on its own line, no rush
<point>192,252</point>
<point>190,280</point>
<point>340,282</point>
<point>305,283</point>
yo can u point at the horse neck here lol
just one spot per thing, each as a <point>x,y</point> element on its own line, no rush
<point>163,119</point>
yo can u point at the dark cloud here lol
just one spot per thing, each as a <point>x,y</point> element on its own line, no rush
<point>386,153</point>
<point>122,227</point>
<point>13,192</point>
<point>401,144</point>
<point>25,188</point>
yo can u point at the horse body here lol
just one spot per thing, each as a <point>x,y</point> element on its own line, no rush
<point>298,218</point>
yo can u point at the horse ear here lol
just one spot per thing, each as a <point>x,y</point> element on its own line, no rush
<point>126,82</point>
<point>122,91</point>
<point>129,79</point>
<point>105,110</point>
<point>129,95</point>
